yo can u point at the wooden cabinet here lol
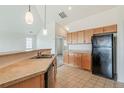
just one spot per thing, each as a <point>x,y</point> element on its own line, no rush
<point>98,30</point>
<point>74,37</point>
<point>55,69</point>
<point>109,29</point>
<point>34,82</point>
<point>66,58</point>
<point>86,61</point>
<point>69,38</point>
<point>80,37</point>
<point>38,81</point>
<point>87,35</point>
<point>80,60</point>
<point>71,58</point>
<point>50,77</point>
<point>77,59</point>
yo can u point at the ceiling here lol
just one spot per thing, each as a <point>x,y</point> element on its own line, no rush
<point>76,13</point>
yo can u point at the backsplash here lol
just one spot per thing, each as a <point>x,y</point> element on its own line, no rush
<point>81,47</point>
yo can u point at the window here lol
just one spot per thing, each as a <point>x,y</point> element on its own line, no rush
<point>28,43</point>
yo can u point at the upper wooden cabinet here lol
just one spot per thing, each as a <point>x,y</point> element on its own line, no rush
<point>98,30</point>
<point>112,28</point>
<point>74,37</point>
<point>87,35</point>
<point>69,37</point>
<point>80,37</point>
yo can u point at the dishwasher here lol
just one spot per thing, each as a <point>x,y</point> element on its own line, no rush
<point>49,77</point>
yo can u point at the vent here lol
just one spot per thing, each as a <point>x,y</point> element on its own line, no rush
<point>62,15</point>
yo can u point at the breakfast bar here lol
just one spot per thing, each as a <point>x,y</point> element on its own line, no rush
<point>29,73</point>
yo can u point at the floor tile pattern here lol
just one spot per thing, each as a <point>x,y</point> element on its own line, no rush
<point>71,77</point>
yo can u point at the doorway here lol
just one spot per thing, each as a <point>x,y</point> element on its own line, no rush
<point>59,50</point>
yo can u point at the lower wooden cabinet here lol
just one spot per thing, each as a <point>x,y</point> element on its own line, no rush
<point>80,60</point>
<point>66,58</point>
<point>71,59</point>
<point>77,59</point>
<point>34,82</point>
<point>38,81</point>
<point>86,61</point>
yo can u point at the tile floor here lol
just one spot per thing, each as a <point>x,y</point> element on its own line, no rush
<point>71,77</point>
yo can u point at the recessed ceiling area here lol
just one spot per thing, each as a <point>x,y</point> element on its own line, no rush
<point>73,12</point>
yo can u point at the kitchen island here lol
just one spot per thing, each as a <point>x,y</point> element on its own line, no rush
<point>29,73</point>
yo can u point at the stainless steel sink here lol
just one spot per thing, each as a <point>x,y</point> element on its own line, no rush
<point>42,56</point>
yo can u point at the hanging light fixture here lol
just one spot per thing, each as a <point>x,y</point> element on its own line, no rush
<point>29,17</point>
<point>45,29</point>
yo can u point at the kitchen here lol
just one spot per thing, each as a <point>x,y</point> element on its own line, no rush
<point>29,51</point>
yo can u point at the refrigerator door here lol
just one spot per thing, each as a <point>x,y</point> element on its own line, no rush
<point>102,62</point>
<point>102,55</point>
<point>102,41</point>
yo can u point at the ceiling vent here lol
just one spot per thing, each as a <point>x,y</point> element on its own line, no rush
<point>62,15</point>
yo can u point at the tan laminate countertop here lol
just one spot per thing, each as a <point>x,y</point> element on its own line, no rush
<point>21,70</point>
<point>21,51</point>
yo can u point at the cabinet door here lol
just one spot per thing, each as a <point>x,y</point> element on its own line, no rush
<point>55,69</point>
<point>71,58</point>
<point>79,60</point>
<point>66,57</point>
<point>74,37</point>
<point>98,31</point>
<point>35,82</point>
<point>86,61</point>
<point>51,77</point>
<point>69,38</point>
<point>80,37</point>
<point>88,34</point>
<point>110,29</point>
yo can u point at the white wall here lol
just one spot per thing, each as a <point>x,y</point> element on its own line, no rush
<point>81,47</point>
<point>47,41</point>
<point>113,16</point>
<point>104,18</point>
<point>14,30</point>
<point>60,31</point>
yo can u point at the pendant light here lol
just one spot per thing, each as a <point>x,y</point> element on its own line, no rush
<point>29,17</point>
<point>45,29</point>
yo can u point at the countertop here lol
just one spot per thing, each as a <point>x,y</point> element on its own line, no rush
<point>21,51</point>
<point>23,69</point>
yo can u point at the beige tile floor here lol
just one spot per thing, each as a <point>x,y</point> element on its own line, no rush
<point>71,77</point>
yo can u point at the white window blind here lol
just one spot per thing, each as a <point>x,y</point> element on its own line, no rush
<point>28,43</point>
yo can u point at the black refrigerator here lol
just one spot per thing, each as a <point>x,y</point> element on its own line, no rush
<point>104,55</point>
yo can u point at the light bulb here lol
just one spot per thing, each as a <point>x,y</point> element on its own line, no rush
<point>44,31</point>
<point>69,8</point>
<point>29,18</point>
<point>67,28</point>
